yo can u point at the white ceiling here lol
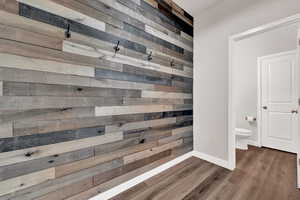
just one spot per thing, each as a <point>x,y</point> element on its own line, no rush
<point>194,7</point>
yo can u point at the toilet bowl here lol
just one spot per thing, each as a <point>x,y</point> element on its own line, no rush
<point>242,137</point>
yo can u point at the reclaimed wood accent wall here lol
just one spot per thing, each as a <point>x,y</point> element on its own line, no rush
<point>92,93</point>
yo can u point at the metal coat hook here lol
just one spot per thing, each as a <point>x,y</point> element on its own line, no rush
<point>172,63</point>
<point>65,109</point>
<point>67,32</point>
<point>30,153</point>
<point>117,48</point>
<point>150,56</point>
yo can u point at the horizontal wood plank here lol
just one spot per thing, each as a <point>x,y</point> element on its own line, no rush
<point>68,13</point>
<point>140,155</point>
<point>20,62</point>
<point>23,103</point>
<point>27,167</point>
<point>21,182</point>
<point>122,110</point>
<point>155,94</point>
<point>53,149</point>
<point>6,130</point>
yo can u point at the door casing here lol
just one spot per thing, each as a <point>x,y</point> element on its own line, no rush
<point>232,40</point>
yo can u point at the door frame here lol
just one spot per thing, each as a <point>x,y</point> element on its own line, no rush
<point>231,112</point>
<point>259,90</point>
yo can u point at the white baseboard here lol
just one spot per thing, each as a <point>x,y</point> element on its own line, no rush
<point>253,143</point>
<point>139,179</point>
<point>212,159</point>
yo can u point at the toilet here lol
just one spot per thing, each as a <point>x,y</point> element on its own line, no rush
<point>242,137</point>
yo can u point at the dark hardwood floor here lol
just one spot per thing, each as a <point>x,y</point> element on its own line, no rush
<point>261,174</point>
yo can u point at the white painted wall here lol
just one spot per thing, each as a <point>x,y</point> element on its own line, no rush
<point>245,68</point>
<point>212,29</point>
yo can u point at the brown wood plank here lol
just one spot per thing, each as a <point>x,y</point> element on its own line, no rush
<point>98,159</point>
<point>16,34</point>
<point>69,190</point>
<point>9,6</point>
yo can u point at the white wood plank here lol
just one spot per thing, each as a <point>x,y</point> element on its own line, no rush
<point>122,110</point>
<point>21,62</point>
<point>137,2</point>
<point>6,130</point>
<point>28,180</point>
<point>185,129</point>
<point>140,125</point>
<point>80,49</point>
<point>147,153</point>
<point>107,83</point>
<point>166,95</point>
<point>18,156</point>
<point>166,37</point>
<point>65,12</point>
<point>188,69</point>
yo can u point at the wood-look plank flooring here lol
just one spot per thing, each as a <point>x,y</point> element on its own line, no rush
<point>261,174</point>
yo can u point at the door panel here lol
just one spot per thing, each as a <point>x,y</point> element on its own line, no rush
<point>279,101</point>
<point>280,126</point>
<point>280,81</point>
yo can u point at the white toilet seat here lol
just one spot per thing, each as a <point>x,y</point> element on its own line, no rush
<point>242,136</point>
<point>243,132</point>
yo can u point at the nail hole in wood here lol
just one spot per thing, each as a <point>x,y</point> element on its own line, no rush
<point>56,155</point>
<point>51,161</point>
<point>120,124</point>
<point>65,109</point>
<point>29,154</point>
<point>79,89</point>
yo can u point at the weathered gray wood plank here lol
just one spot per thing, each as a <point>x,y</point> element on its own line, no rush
<point>38,102</point>
<point>34,89</point>
<point>29,76</point>
<point>59,10</point>
<point>56,184</point>
<point>19,156</point>
<point>29,141</point>
<point>19,169</point>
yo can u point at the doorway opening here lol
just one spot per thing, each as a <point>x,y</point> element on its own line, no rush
<point>264,88</point>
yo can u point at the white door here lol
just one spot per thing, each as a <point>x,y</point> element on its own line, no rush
<point>298,135</point>
<point>279,101</point>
